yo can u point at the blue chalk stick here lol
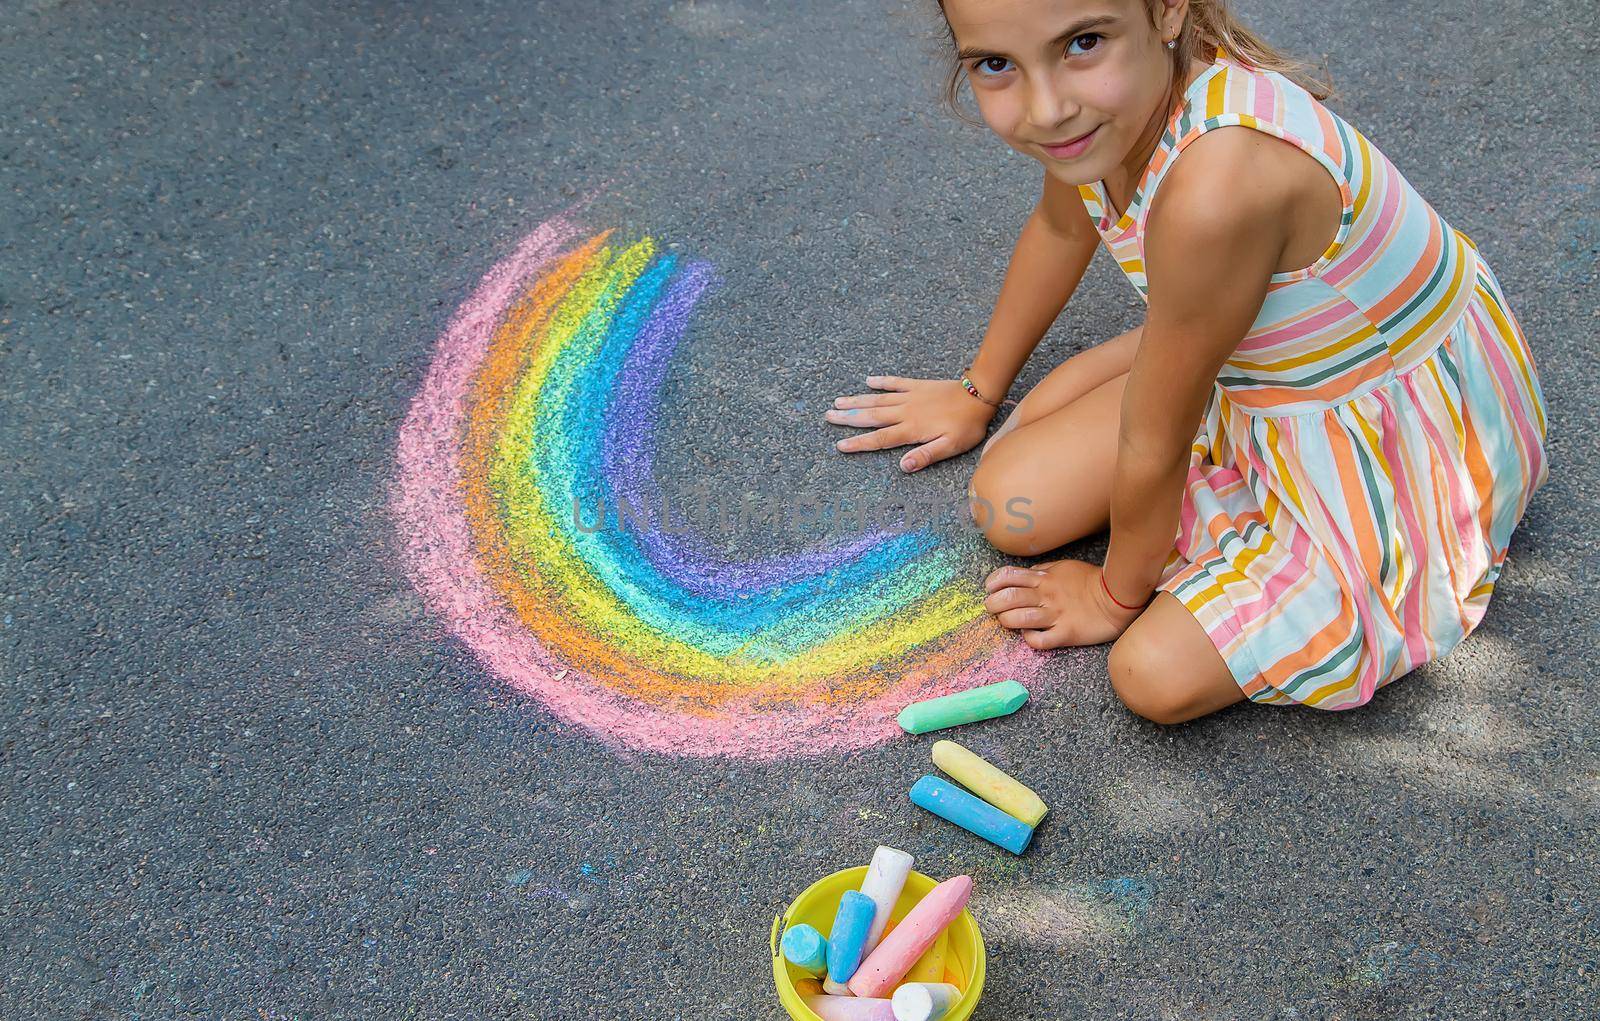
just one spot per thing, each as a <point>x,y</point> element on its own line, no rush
<point>849,934</point>
<point>951,802</point>
<point>804,947</point>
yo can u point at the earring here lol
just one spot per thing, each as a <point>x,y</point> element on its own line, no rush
<point>1171,43</point>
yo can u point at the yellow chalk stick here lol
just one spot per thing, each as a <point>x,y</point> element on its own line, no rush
<point>930,966</point>
<point>992,785</point>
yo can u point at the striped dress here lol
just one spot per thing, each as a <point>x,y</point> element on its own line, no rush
<point>1368,449</point>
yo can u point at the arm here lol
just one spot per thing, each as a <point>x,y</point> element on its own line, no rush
<point>939,415</point>
<point>1051,254</point>
<point>1200,309</point>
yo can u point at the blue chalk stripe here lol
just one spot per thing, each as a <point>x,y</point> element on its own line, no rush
<point>951,802</point>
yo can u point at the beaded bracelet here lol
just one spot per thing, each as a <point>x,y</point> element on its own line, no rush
<point>974,392</point>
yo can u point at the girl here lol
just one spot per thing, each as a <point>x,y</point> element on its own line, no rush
<point>1311,455</point>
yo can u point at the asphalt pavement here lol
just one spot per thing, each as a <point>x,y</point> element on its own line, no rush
<point>249,772</point>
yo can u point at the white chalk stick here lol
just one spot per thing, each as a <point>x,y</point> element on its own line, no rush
<point>886,877</point>
<point>924,1001</point>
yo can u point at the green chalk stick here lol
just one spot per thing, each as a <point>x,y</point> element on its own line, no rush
<point>969,706</point>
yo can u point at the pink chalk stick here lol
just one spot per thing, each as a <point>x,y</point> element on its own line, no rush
<point>850,1008</point>
<point>888,964</point>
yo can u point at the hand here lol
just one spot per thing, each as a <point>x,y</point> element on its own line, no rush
<point>1056,604</point>
<point>939,414</point>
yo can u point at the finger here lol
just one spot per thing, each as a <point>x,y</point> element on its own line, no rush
<point>1049,638</point>
<point>934,450</point>
<point>869,400</point>
<point>863,416</point>
<point>1012,575</point>
<point>889,436</point>
<point>1012,597</point>
<point>890,382</point>
<point>1036,617</point>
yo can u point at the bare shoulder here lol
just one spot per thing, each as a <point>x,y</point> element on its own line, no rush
<point>1217,227</point>
<point>1231,176</point>
<point>1282,195</point>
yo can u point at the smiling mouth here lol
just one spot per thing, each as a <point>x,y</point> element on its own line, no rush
<point>1070,141</point>
<point>1069,148</point>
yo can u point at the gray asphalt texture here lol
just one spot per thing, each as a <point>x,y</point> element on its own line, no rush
<point>247,776</point>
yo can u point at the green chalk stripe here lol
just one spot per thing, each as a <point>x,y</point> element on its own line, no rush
<point>969,706</point>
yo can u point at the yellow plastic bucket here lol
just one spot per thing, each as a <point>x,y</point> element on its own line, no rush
<point>964,963</point>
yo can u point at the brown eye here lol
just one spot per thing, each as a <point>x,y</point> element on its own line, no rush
<point>986,67</point>
<point>1094,40</point>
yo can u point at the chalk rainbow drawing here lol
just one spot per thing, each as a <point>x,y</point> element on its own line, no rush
<point>546,382</point>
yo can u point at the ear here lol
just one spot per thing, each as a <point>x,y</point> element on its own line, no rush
<point>1171,17</point>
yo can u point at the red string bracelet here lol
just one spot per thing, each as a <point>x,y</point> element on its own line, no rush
<point>1119,602</point>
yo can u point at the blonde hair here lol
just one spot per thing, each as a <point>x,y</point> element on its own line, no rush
<point>1208,25</point>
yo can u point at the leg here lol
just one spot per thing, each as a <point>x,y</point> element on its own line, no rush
<point>1048,481</point>
<point>1071,380</point>
<point>1167,670</point>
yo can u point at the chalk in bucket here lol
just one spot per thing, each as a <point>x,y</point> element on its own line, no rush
<point>964,965</point>
<point>806,949</point>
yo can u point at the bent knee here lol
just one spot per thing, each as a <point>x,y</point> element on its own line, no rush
<point>1149,680</point>
<point>1010,424</point>
<point>1000,511</point>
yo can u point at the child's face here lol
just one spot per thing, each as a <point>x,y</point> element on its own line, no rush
<point>1107,78</point>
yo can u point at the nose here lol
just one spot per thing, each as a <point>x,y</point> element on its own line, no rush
<point>1049,107</point>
